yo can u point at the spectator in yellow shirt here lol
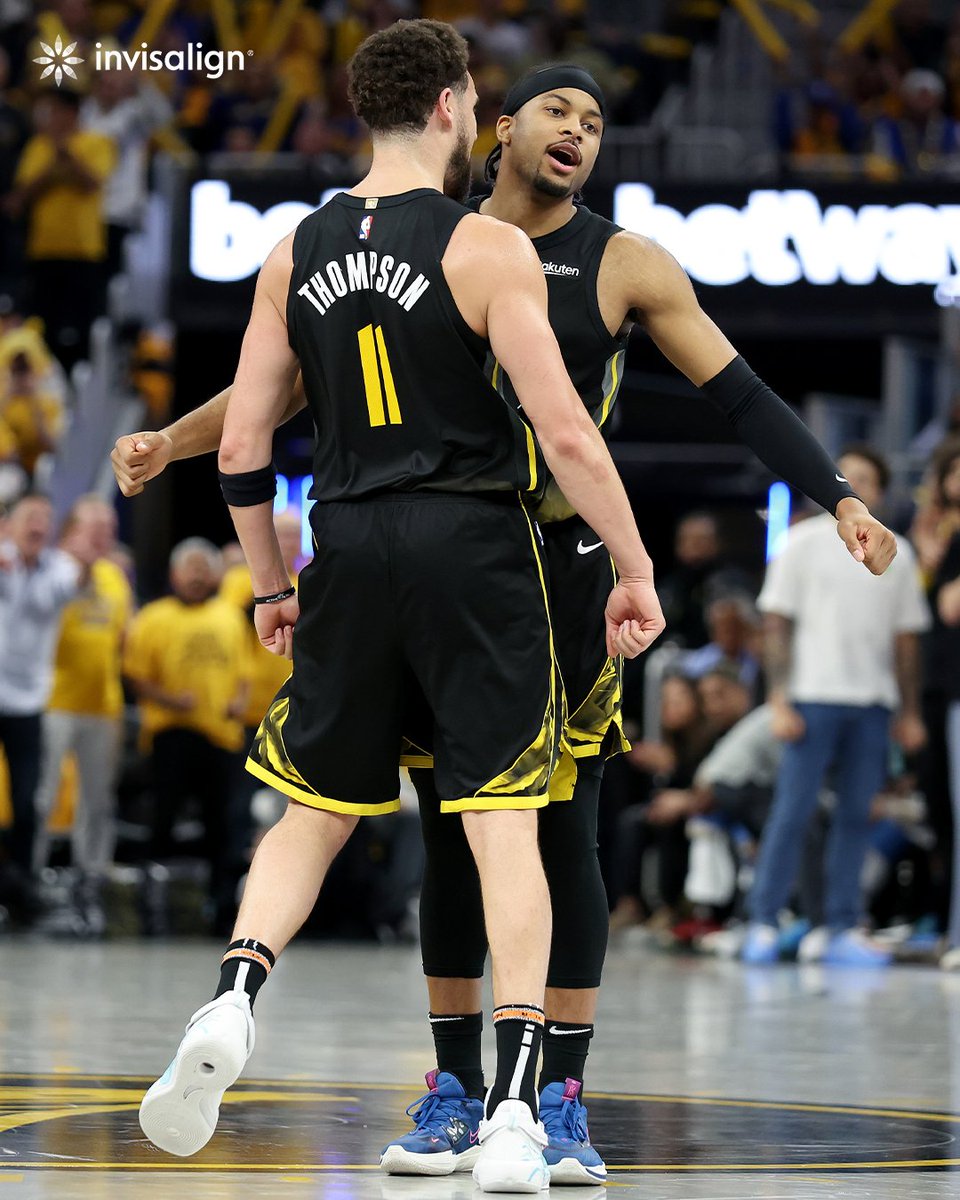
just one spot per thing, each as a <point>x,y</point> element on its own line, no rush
<point>32,413</point>
<point>86,706</point>
<point>187,659</point>
<point>58,188</point>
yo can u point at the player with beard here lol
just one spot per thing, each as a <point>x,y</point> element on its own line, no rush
<point>427,576</point>
<point>601,281</point>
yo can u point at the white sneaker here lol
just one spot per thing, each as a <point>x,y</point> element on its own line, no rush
<point>511,1151</point>
<point>179,1112</point>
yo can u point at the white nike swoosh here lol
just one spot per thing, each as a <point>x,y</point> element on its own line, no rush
<point>437,1020</point>
<point>566,1032</point>
<point>582,549</point>
<point>839,478</point>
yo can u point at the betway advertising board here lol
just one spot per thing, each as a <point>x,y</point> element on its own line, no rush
<point>788,261</point>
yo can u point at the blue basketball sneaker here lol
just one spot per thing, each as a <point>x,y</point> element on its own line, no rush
<point>569,1155</point>
<point>444,1137</point>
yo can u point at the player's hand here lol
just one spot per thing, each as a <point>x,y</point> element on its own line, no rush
<point>634,618</point>
<point>787,724</point>
<point>181,701</point>
<point>867,539</point>
<point>139,457</point>
<point>274,623</point>
<point>909,732</point>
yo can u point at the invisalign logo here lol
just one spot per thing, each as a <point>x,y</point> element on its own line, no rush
<point>58,60</point>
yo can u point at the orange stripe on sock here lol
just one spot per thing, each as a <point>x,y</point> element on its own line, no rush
<point>518,1013</point>
<point>251,955</point>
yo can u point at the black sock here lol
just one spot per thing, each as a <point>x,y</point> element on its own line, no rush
<point>519,1029</point>
<point>457,1039</point>
<point>244,968</point>
<point>565,1049</point>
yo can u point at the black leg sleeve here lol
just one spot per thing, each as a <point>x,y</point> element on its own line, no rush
<point>453,937</point>
<point>581,919</point>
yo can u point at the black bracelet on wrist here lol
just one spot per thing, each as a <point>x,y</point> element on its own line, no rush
<point>276,598</point>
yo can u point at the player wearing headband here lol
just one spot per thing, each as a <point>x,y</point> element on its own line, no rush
<point>601,282</point>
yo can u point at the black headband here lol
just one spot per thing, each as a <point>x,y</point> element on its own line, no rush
<point>548,79</point>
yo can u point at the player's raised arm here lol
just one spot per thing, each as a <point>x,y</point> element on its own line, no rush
<point>507,292</point>
<point>260,395</point>
<point>139,457</point>
<point>655,286</point>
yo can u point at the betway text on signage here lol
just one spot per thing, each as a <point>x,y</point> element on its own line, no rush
<point>777,238</point>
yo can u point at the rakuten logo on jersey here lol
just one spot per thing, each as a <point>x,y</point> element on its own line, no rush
<point>229,239</point>
<point>785,237</point>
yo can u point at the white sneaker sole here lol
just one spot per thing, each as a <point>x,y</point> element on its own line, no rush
<point>571,1173</point>
<point>396,1160</point>
<point>179,1112</point>
<point>525,1178</point>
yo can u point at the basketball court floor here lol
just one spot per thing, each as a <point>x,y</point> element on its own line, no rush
<point>707,1081</point>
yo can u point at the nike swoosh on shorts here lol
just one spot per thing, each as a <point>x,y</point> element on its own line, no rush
<point>582,549</point>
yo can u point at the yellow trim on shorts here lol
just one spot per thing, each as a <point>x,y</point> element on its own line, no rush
<point>416,760</point>
<point>511,783</point>
<point>495,803</point>
<point>315,800</point>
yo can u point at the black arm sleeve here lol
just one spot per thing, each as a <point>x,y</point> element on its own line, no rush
<point>777,436</point>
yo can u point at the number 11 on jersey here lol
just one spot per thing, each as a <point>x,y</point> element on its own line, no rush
<point>378,378</point>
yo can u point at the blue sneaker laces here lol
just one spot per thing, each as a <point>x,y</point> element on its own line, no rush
<point>432,1110</point>
<point>566,1121</point>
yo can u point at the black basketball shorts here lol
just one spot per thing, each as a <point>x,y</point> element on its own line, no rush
<point>430,594</point>
<point>581,575</point>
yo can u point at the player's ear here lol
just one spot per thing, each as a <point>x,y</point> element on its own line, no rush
<point>504,130</point>
<point>445,110</point>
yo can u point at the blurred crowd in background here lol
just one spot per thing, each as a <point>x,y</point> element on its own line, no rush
<point>893,100</point>
<point>74,159</point>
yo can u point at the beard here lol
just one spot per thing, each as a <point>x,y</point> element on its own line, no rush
<point>550,187</point>
<point>456,180</point>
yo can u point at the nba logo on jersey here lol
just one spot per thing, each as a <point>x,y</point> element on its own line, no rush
<point>365,226</point>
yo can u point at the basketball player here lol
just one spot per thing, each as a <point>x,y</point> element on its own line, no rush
<point>601,281</point>
<point>389,301</point>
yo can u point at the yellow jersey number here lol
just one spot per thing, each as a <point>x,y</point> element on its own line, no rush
<point>382,403</point>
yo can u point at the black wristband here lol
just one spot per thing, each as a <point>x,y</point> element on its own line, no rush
<point>276,597</point>
<point>247,488</point>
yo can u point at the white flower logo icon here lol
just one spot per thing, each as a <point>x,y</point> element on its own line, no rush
<point>57,61</point>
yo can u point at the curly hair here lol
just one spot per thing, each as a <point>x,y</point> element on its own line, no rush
<point>397,74</point>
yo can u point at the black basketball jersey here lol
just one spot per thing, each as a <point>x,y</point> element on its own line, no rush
<point>394,377</point>
<point>593,357</point>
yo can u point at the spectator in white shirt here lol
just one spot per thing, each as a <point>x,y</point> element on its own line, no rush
<point>129,109</point>
<point>35,584</point>
<point>842,657</point>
